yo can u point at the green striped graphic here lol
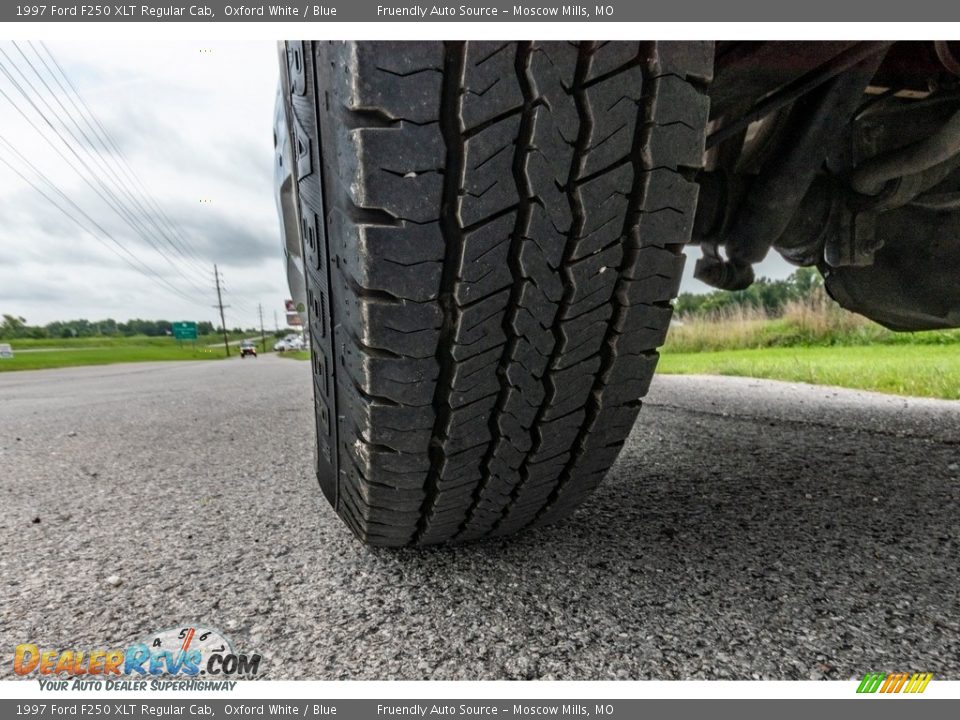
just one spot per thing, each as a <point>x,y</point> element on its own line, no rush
<point>871,682</point>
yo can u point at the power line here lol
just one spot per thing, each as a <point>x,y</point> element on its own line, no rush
<point>144,270</point>
<point>130,171</point>
<point>118,205</point>
<point>180,244</point>
<point>104,163</point>
<point>113,202</point>
<point>243,307</point>
<point>141,212</point>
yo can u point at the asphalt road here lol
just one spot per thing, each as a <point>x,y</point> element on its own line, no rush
<point>749,530</point>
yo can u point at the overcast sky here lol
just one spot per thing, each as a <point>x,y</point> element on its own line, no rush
<point>195,123</point>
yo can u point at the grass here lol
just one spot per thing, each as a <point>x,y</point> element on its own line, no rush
<point>104,341</point>
<point>817,321</point>
<point>817,342</point>
<point>919,370</point>
<point>38,354</point>
<point>295,354</point>
<point>92,355</point>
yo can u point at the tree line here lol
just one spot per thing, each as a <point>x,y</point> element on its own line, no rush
<point>14,327</point>
<point>764,294</point>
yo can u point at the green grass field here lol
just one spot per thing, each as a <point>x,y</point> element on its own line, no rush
<point>57,357</point>
<point>56,352</point>
<point>815,341</point>
<point>103,341</point>
<point>295,354</point>
<point>925,370</point>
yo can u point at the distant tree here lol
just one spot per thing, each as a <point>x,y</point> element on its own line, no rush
<point>807,280</point>
<point>765,294</point>
<point>151,328</point>
<point>13,326</point>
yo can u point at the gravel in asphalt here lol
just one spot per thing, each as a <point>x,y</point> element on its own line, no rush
<point>750,529</point>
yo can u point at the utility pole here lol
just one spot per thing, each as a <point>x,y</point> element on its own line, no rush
<point>263,335</point>
<point>223,323</point>
<point>276,325</point>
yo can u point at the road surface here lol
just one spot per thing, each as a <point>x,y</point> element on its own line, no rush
<point>750,529</point>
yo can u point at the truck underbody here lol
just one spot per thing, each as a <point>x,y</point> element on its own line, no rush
<point>843,156</point>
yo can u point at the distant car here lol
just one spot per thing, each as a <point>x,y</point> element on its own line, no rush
<point>290,342</point>
<point>6,352</point>
<point>247,347</point>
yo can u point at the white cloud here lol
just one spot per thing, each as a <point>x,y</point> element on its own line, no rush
<point>195,122</point>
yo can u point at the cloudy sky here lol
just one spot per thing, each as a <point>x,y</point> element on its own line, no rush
<point>195,124</point>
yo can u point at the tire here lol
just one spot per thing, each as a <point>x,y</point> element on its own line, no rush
<point>493,234</point>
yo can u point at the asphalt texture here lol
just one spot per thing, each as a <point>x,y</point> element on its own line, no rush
<point>750,529</point>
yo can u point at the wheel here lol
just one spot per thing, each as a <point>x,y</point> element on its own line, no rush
<point>493,236</point>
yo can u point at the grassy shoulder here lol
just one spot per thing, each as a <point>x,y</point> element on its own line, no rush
<point>815,322</point>
<point>38,354</point>
<point>105,341</point>
<point>58,357</point>
<point>925,370</point>
<point>295,354</point>
<point>813,340</point>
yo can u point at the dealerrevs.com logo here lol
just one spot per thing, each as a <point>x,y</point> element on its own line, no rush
<point>181,658</point>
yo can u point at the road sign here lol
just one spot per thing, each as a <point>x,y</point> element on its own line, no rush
<point>295,313</point>
<point>185,330</point>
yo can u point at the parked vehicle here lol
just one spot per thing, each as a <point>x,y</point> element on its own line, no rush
<point>492,234</point>
<point>294,342</point>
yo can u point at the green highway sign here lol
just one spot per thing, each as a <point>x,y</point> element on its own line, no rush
<point>185,330</point>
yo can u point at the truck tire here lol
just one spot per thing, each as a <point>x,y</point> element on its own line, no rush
<point>493,234</point>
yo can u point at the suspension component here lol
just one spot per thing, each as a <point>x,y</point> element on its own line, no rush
<point>776,193</point>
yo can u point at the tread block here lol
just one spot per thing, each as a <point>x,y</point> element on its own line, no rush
<point>400,79</point>
<point>490,86</point>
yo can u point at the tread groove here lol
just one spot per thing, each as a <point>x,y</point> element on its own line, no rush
<point>573,198</point>
<point>451,127</point>
<point>522,181</point>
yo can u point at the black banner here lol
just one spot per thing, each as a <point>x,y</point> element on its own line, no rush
<point>852,709</point>
<point>480,11</point>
